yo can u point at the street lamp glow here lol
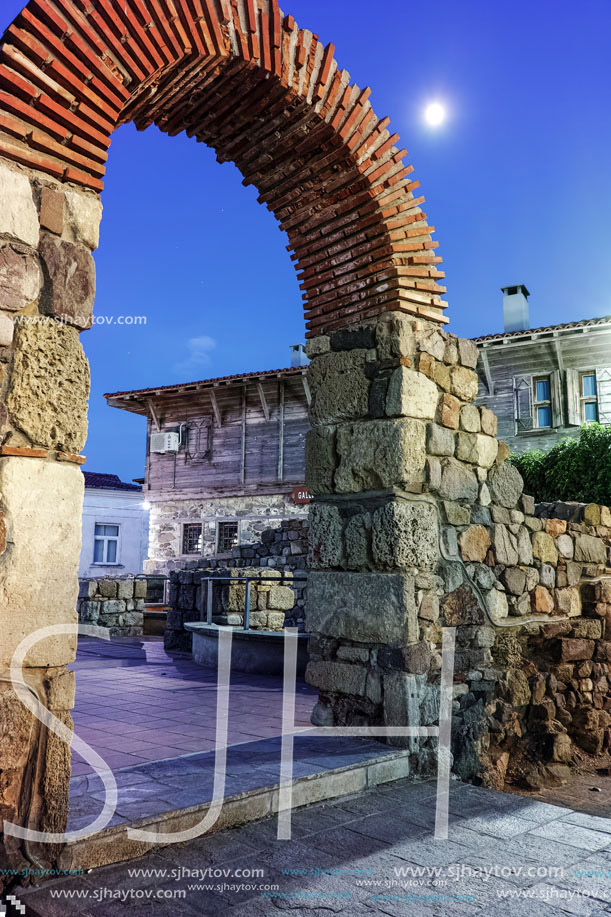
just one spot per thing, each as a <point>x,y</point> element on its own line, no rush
<point>435,114</point>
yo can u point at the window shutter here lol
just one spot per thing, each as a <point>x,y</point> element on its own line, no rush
<point>198,440</point>
<point>572,398</point>
<point>522,403</point>
<point>556,393</point>
<point>603,389</point>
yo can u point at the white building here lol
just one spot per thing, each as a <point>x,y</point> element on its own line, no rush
<point>115,527</point>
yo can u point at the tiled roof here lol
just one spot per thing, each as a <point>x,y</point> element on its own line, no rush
<point>287,371</point>
<point>567,326</point>
<point>108,482</point>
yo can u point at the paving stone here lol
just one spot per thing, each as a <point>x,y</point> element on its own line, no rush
<point>373,801</point>
<point>426,851</point>
<point>589,821</point>
<point>567,833</point>
<point>388,827</point>
<point>530,847</point>
<point>503,826</point>
<point>347,843</point>
<point>314,819</point>
<point>563,901</point>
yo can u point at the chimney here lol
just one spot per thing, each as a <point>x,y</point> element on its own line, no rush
<point>515,308</point>
<point>298,355</point>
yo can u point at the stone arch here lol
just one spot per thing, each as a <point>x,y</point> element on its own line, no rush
<point>243,78</point>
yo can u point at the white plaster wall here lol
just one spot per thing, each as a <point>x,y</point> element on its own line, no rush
<point>123,508</point>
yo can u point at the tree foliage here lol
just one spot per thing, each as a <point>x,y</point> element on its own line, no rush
<point>573,469</point>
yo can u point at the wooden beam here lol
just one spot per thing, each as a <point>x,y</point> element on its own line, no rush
<point>487,373</point>
<point>243,458</point>
<point>264,403</point>
<point>306,388</point>
<point>215,408</point>
<point>154,415</point>
<point>281,432</point>
<point>559,357</point>
<point>147,466</point>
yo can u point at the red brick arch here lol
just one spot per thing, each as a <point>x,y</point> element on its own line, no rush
<point>240,76</point>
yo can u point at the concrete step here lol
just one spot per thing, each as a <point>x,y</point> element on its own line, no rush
<point>174,795</point>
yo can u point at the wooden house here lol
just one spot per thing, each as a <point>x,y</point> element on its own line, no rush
<point>224,461</point>
<point>544,383</point>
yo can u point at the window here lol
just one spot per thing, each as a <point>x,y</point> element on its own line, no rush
<point>106,544</point>
<point>542,401</point>
<point>588,397</point>
<point>192,538</point>
<point>227,536</point>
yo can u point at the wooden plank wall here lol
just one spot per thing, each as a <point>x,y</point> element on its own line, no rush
<point>222,468</point>
<point>581,351</point>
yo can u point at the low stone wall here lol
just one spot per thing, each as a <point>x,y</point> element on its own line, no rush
<point>560,697</point>
<point>117,604</point>
<point>553,706</point>
<point>281,550</point>
<point>269,601</point>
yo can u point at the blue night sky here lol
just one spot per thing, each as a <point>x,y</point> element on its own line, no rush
<point>517,184</point>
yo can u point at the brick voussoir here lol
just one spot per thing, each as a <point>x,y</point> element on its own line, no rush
<point>170,104</point>
<point>87,39</point>
<point>66,66</point>
<point>41,141</point>
<point>35,118</point>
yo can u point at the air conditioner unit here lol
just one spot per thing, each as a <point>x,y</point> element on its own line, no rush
<point>164,442</point>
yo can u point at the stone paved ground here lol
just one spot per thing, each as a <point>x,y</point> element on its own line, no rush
<point>136,704</point>
<point>371,854</point>
<point>165,786</point>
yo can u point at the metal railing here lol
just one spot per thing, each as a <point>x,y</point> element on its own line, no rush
<point>283,580</point>
<point>207,592</point>
<point>152,579</point>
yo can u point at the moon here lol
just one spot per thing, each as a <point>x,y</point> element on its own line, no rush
<point>434,114</point>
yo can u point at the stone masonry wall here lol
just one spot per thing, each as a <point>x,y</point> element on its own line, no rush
<point>553,708</point>
<point>254,514</point>
<point>117,604</point>
<point>420,523</point>
<point>47,234</point>
<point>280,550</point>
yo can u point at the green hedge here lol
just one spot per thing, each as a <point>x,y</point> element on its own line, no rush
<point>573,469</point>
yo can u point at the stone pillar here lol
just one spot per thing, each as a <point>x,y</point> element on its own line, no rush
<point>47,282</point>
<point>388,490</point>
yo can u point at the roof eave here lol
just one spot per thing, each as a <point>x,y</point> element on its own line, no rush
<point>532,335</point>
<point>224,381</point>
